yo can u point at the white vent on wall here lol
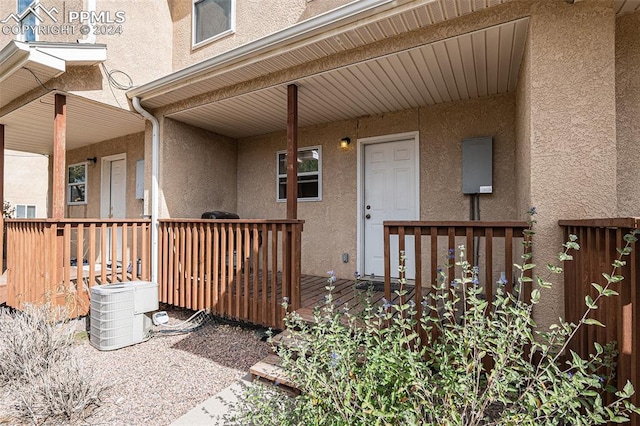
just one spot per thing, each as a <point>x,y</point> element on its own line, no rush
<point>118,313</point>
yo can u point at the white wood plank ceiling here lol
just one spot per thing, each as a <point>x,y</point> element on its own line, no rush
<point>88,122</point>
<point>472,65</point>
<point>23,80</point>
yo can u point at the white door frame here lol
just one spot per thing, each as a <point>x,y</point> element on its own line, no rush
<point>361,143</point>
<point>105,180</point>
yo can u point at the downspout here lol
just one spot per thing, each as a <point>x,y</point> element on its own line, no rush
<point>155,148</point>
<point>91,37</point>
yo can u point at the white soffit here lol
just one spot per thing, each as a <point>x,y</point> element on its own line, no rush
<point>340,37</point>
<point>25,79</point>
<point>472,65</point>
<point>24,66</point>
<point>626,6</point>
<point>30,128</point>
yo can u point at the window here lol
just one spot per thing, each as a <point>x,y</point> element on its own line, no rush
<point>212,19</point>
<point>309,174</point>
<point>25,211</point>
<point>77,184</point>
<point>28,21</point>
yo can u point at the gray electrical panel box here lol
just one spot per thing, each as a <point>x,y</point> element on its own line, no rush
<point>477,165</point>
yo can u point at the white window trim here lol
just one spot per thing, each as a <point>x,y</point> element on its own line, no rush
<point>319,173</point>
<point>23,37</point>
<point>26,209</point>
<point>86,185</point>
<point>231,30</point>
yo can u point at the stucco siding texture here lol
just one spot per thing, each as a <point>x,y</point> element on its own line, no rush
<point>628,113</point>
<point>571,80</point>
<point>443,128</point>
<point>523,135</point>
<point>143,51</point>
<point>26,180</point>
<point>330,224</point>
<point>254,19</point>
<point>133,147</point>
<point>197,171</point>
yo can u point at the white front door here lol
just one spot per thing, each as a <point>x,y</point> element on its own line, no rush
<point>113,203</point>
<point>389,188</point>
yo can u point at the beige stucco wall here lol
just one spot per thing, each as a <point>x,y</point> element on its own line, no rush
<point>67,34</point>
<point>26,178</point>
<point>628,113</point>
<point>143,49</point>
<point>254,19</point>
<point>330,224</point>
<point>567,121</point>
<point>197,171</point>
<point>131,145</point>
<point>523,134</point>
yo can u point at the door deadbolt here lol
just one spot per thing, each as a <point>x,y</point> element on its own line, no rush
<point>368,207</point>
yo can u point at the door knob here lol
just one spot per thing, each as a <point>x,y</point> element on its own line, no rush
<point>367,216</point>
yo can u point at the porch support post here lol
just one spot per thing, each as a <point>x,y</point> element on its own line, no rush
<point>59,149</point>
<point>290,288</point>
<point>292,151</point>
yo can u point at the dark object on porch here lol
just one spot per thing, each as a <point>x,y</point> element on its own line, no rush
<point>219,215</point>
<point>74,262</point>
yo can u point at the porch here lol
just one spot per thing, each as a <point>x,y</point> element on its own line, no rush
<point>240,269</point>
<point>244,269</point>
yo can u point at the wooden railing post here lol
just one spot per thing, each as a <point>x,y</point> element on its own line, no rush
<point>599,239</point>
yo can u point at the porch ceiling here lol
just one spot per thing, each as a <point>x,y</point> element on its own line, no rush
<point>30,127</point>
<point>24,66</point>
<point>475,64</point>
<point>471,65</point>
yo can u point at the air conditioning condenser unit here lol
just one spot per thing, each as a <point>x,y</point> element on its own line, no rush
<point>119,313</point>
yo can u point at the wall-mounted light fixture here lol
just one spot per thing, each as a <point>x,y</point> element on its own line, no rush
<point>94,160</point>
<point>344,143</point>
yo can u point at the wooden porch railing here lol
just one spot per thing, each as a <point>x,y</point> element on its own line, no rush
<point>599,240</point>
<point>58,260</point>
<point>240,269</point>
<point>499,246</point>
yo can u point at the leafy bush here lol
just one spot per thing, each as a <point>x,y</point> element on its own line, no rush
<point>457,365</point>
<point>40,380</point>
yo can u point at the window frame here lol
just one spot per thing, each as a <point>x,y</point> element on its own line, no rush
<point>318,173</point>
<point>85,183</point>
<point>232,26</point>
<point>23,36</point>
<point>26,210</point>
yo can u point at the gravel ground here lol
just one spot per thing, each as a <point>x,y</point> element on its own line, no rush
<point>157,381</point>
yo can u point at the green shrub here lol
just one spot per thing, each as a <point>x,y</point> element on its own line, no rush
<point>458,365</point>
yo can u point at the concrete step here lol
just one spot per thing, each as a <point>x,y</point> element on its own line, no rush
<point>270,370</point>
<point>293,340</point>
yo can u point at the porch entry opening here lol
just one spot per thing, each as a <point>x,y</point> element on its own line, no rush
<point>390,192</point>
<point>113,199</point>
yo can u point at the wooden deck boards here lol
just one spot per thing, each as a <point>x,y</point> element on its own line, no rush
<point>313,292</point>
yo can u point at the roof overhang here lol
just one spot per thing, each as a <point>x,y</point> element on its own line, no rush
<point>30,127</point>
<point>24,66</point>
<point>468,65</point>
<point>472,65</point>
